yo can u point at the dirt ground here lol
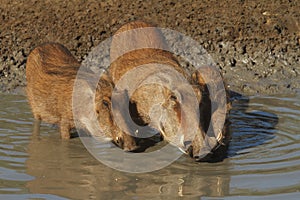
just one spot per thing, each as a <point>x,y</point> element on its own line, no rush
<point>255,43</point>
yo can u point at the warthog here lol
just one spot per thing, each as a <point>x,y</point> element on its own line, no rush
<point>166,96</point>
<point>51,72</point>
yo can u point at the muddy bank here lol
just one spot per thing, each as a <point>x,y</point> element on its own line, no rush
<point>254,43</point>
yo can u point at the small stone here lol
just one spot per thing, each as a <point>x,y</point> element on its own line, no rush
<point>232,62</point>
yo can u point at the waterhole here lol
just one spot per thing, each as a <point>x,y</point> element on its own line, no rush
<point>263,160</point>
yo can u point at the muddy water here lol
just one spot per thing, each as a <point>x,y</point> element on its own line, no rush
<point>263,160</point>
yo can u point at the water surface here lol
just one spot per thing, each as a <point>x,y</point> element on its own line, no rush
<point>263,160</point>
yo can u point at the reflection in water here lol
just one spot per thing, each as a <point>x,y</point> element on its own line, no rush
<point>66,169</point>
<point>263,159</point>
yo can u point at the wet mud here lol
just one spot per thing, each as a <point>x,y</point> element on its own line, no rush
<point>255,44</point>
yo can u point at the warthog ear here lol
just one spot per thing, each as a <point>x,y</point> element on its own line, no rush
<point>198,80</point>
<point>198,93</point>
<point>105,76</point>
<point>104,86</point>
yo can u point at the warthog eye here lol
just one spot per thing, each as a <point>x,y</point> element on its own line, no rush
<point>173,97</point>
<point>105,103</point>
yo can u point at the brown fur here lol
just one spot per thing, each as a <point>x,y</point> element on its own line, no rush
<point>147,97</point>
<point>51,71</point>
<point>139,57</point>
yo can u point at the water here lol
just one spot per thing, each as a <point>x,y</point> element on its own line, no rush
<point>263,160</point>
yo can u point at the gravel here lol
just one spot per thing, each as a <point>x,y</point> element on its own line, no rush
<point>255,44</point>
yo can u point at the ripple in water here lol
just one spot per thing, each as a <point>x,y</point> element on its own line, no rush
<point>15,128</point>
<point>263,160</point>
<point>265,148</point>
